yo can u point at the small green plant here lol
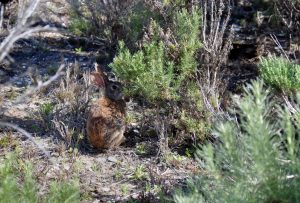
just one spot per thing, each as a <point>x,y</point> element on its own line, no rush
<point>12,94</point>
<point>173,159</point>
<point>64,192</point>
<point>140,173</point>
<point>188,152</point>
<point>96,167</point>
<point>45,114</point>
<point>153,189</point>
<point>6,139</point>
<point>78,50</point>
<point>193,125</point>
<point>147,71</point>
<point>118,175</point>
<point>124,189</point>
<point>141,149</point>
<point>46,109</point>
<point>256,160</point>
<point>130,118</point>
<point>280,73</point>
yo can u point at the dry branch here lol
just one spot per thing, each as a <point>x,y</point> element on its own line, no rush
<point>26,134</point>
<point>24,28</point>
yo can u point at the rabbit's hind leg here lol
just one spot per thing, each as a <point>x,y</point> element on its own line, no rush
<point>116,138</point>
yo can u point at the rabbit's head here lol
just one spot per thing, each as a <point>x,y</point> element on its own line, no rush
<point>113,91</point>
<point>107,81</point>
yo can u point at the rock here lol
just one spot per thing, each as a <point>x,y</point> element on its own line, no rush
<point>105,189</point>
<point>101,160</point>
<point>112,159</point>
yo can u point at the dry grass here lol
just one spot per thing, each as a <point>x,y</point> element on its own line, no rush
<point>72,96</point>
<point>103,18</point>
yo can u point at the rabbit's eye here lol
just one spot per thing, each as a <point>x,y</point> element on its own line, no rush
<point>114,87</point>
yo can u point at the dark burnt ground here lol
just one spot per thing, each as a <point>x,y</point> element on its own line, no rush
<point>254,34</point>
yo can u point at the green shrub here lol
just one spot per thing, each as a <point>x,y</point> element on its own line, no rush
<point>63,192</point>
<point>280,73</point>
<point>256,160</point>
<point>79,26</point>
<point>17,184</point>
<point>163,71</point>
<point>150,72</point>
<point>137,18</point>
<point>147,72</point>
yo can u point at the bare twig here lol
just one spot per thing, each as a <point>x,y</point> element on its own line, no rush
<point>26,134</point>
<point>291,107</point>
<point>24,28</point>
<point>41,85</point>
<point>17,33</point>
<point>1,15</point>
<point>276,41</point>
<point>216,38</point>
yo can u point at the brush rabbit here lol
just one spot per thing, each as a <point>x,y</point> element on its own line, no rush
<point>106,119</point>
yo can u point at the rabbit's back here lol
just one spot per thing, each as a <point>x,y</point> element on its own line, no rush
<point>106,123</point>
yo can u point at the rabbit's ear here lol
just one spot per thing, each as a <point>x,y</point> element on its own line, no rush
<point>97,79</point>
<point>107,75</point>
<point>97,68</point>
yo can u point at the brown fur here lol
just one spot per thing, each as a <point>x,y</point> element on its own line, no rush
<point>106,120</point>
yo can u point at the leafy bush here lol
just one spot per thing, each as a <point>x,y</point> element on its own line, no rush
<point>150,72</point>
<point>163,71</point>
<point>256,160</point>
<point>147,72</point>
<point>18,184</point>
<point>280,73</point>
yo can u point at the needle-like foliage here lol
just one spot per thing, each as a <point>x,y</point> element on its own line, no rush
<point>256,160</point>
<point>280,73</point>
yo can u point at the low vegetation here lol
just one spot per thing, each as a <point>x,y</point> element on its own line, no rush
<point>280,73</point>
<point>255,160</point>
<point>159,70</point>
<point>18,184</point>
